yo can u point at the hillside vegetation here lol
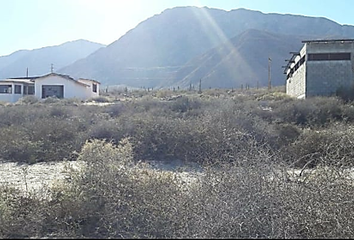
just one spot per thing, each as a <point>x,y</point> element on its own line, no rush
<point>247,143</point>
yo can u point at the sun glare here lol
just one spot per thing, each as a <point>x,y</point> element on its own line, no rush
<point>217,36</point>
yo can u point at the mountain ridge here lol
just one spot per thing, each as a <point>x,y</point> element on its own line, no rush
<point>164,49</point>
<point>38,61</point>
<point>156,51</point>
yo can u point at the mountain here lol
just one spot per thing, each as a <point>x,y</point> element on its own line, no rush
<point>242,60</point>
<point>160,49</point>
<point>9,59</point>
<point>38,61</point>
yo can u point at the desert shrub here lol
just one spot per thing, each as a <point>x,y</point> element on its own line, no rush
<point>43,134</point>
<point>18,114</point>
<point>234,202</point>
<point>30,99</point>
<point>286,134</point>
<point>332,146</point>
<point>274,96</point>
<point>19,217</point>
<point>163,93</point>
<point>109,130</point>
<point>60,112</point>
<point>146,103</point>
<point>316,111</point>
<point>58,142</point>
<point>111,197</point>
<point>348,112</point>
<point>115,199</point>
<point>70,101</point>
<point>184,104</point>
<point>219,132</point>
<point>100,99</point>
<point>16,145</point>
<point>50,100</point>
<point>323,209</point>
<point>116,110</point>
<point>345,93</point>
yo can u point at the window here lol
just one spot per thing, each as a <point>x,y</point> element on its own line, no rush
<point>17,89</point>
<point>30,90</point>
<point>94,87</point>
<point>5,89</point>
<point>329,57</point>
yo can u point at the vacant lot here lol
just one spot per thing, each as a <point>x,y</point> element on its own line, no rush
<point>165,164</point>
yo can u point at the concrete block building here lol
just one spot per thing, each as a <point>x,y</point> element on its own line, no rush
<point>320,68</point>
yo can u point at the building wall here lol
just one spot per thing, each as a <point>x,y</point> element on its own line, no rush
<point>90,92</point>
<point>71,89</point>
<point>325,77</point>
<point>296,85</point>
<point>322,78</point>
<point>11,97</point>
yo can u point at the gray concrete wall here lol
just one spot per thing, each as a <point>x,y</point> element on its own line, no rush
<point>325,77</point>
<point>322,78</point>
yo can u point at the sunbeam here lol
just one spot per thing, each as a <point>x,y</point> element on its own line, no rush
<point>228,54</point>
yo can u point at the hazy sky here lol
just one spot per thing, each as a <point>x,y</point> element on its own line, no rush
<point>30,24</point>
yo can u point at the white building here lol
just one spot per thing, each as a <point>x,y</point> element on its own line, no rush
<point>50,85</point>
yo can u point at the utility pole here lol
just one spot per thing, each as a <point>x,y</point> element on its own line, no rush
<point>200,87</point>
<point>51,68</point>
<point>269,73</point>
<point>27,73</point>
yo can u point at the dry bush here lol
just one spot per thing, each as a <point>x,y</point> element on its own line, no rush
<point>332,146</point>
<point>315,112</point>
<point>27,100</point>
<point>41,133</point>
<point>114,198</point>
<point>100,99</point>
<point>245,189</point>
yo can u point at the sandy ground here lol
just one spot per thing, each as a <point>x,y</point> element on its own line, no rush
<point>35,178</point>
<point>39,178</point>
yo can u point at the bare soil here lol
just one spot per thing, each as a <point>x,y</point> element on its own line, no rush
<point>36,178</point>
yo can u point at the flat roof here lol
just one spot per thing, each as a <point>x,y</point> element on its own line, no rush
<point>24,78</point>
<point>328,41</point>
<point>10,80</point>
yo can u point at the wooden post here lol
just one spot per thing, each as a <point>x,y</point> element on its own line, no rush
<point>269,73</point>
